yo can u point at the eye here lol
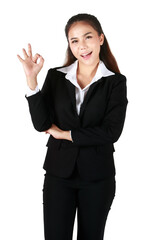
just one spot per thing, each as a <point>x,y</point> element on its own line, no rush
<point>88,37</point>
<point>74,41</point>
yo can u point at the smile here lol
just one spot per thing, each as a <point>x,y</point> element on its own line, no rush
<point>86,55</point>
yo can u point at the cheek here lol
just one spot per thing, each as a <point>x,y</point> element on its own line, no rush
<point>97,47</point>
<point>94,44</point>
<point>73,49</point>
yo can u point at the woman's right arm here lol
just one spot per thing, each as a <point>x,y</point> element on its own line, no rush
<point>37,102</point>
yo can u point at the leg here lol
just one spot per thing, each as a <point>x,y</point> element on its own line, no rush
<point>94,203</point>
<point>59,205</point>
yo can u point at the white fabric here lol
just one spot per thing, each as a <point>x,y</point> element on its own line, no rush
<point>71,71</point>
<point>32,92</point>
<point>71,75</point>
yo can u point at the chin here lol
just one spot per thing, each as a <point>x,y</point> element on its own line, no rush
<point>90,62</point>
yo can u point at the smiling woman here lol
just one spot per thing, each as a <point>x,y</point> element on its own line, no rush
<point>82,105</point>
<point>94,31</point>
<point>85,44</point>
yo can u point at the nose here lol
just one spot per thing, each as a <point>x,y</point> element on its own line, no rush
<point>82,45</point>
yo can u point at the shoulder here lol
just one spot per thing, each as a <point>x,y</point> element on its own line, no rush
<point>116,81</point>
<point>120,77</point>
<point>53,72</point>
<point>117,78</point>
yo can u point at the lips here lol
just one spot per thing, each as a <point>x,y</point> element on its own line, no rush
<point>86,55</point>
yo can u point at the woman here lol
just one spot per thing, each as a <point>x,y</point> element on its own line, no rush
<point>82,105</point>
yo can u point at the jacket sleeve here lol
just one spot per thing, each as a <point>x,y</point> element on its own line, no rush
<point>113,122</point>
<point>39,106</point>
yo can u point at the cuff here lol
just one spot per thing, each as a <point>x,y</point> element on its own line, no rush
<point>32,92</point>
<point>71,135</point>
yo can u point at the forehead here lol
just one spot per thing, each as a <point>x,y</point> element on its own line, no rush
<point>78,29</point>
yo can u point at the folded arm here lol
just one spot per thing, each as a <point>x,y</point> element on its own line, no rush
<point>113,122</point>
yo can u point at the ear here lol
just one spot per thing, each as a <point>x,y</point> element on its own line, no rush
<point>101,38</point>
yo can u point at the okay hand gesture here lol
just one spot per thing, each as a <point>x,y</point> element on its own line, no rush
<point>30,66</point>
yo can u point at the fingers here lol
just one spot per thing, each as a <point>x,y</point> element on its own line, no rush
<point>20,59</point>
<point>35,58</point>
<point>24,53</point>
<point>41,61</point>
<point>29,50</point>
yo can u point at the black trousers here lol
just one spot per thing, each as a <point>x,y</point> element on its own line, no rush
<point>62,197</point>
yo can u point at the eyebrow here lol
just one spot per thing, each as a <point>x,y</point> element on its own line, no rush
<point>83,35</point>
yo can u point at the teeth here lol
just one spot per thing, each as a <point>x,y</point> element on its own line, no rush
<point>85,54</point>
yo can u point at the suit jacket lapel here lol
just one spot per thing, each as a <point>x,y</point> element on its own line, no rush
<point>71,90</point>
<point>88,95</point>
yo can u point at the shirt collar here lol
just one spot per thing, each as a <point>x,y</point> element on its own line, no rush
<point>71,73</point>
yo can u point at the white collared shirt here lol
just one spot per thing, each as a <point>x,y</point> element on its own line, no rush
<point>71,75</point>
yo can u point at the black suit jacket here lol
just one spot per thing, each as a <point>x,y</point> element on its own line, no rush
<point>94,130</point>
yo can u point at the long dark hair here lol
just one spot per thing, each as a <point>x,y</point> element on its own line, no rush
<point>105,53</point>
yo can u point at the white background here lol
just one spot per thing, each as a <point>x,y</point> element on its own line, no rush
<point>131,28</point>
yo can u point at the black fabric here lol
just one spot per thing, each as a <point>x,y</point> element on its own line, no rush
<point>94,131</point>
<point>63,197</point>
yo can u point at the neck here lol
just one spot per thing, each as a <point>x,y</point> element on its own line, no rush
<point>85,70</point>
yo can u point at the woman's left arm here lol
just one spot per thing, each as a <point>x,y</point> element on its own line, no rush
<point>111,127</point>
<point>58,133</point>
<point>113,122</point>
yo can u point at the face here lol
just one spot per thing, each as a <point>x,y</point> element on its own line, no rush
<point>85,43</point>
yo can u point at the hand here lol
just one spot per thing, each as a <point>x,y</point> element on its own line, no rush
<point>30,66</point>
<point>58,133</point>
